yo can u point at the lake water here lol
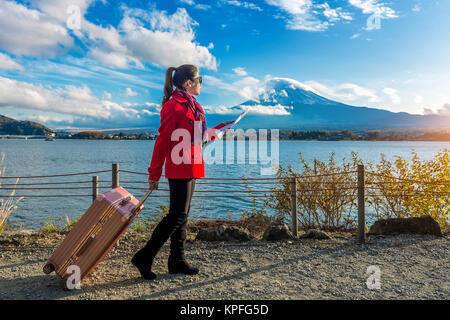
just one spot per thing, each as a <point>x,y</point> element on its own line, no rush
<point>39,157</point>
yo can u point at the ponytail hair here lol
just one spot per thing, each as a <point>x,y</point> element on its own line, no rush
<point>168,86</point>
<point>182,73</point>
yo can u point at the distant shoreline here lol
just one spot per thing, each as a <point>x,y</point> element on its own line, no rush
<point>419,135</point>
<point>374,140</point>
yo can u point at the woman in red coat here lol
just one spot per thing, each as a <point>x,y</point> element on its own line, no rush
<point>175,146</point>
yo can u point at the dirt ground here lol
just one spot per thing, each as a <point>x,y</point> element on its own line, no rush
<point>386,267</point>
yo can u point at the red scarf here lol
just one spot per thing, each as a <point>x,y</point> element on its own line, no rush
<point>198,115</point>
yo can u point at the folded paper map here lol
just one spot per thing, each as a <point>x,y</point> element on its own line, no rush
<point>219,131</point>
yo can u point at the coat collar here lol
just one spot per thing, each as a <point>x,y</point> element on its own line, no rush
<point>178,98</point>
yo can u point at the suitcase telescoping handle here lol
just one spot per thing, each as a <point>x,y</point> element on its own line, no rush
<point>139,205</point>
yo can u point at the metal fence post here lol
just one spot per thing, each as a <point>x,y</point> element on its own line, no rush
<point>115,175</point>
<point>294,206</point>
<point>94,188</point>
<point>361,206</point>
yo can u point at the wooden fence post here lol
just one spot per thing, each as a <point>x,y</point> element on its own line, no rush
<point>361,206</point>
<point>94,188</point>
<point>115,183</point>
<point>294,206</point>
<point>115,175</point>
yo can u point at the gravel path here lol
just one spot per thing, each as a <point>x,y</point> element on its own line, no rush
<point>411,267</point>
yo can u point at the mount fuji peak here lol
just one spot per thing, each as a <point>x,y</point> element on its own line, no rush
<point>289,104</point>
<point>286,92</point>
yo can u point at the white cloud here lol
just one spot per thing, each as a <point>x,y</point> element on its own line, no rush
<point>377,11</point>
<point>130,93</point>
<point>356,35</point>
<point>58,9</point>
<point>393,95</point>
<point>164,40</point>
<point>46,119</point>
<point>300,15</point>
<point>243,4</point>
<point>7,63</point>
<point>78,102</point>
<point>416,8</point>
<point>346,92</point>
<point>244,87</point>
<point>219,109</point>
<point>309,16</point>
<point>256,109</point>
<point>269,110</point>
<point>374,7</point>
<point>107,95</point>
<point>443,111</point>
<point>143,36</point>
<point>418,99</point>
<point>71,100</point>
<point>115,59</point>
<point>196,5</point>
<point>334,14</point>
<point>240,71</point>
<point>30,32</point>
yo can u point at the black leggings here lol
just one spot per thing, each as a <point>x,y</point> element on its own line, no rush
<point>173,224</point>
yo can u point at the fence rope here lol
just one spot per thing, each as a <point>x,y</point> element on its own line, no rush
<point>228,191</point>
<point>45,183</point>
<point>61,188</point>
<point>408,180</point>
<point>244,181</point>
<point>55,175</point>
<point>268,178</point>
<point>409,191</point>
<point>44,196</point>
<point>308,182</point>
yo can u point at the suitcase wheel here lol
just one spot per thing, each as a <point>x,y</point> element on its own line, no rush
<point>48,268</point>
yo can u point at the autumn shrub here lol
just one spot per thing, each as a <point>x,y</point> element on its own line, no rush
<point>412,188</point>
<point>325,197</point>
<point>326,194</point>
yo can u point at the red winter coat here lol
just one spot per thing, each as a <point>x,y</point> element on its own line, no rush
<point>176,114</point>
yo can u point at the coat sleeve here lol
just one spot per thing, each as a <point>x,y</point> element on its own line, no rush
<point>162,143</point>
<point>210,133</point>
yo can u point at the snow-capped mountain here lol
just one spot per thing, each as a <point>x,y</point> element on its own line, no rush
<point>288,104</point>
<point>286,92</point>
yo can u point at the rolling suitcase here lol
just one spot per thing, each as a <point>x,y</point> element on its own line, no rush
<point>95,233</point>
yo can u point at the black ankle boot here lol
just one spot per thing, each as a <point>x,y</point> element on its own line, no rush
<point>144,265</point>
<point>179,265</point>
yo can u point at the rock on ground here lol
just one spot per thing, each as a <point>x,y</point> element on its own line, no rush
<point>224,233</point>
<point>278,232</point>
<point>415,225</point>
<point>315,234</point>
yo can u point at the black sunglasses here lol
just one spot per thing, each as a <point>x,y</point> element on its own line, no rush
<point>199,79</point>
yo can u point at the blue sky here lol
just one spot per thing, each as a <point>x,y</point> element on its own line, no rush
<point>96,64</point>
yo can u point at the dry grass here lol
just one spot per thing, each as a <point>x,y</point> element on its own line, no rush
<point>10,204</point>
